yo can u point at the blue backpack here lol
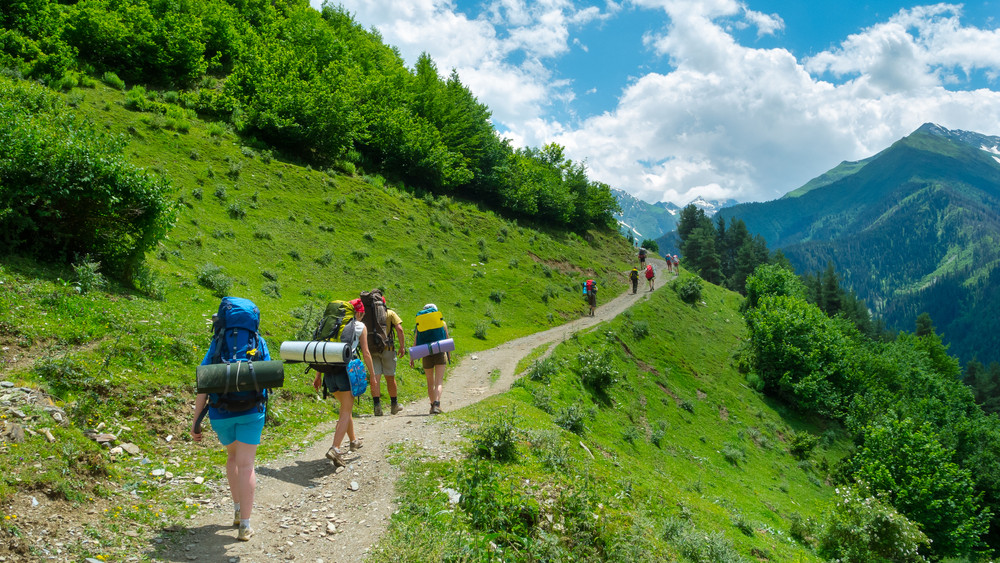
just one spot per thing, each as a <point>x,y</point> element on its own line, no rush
<point>235,339</point>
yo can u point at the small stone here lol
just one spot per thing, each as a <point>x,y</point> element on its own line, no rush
<point>158,472</point>
<point>199,480</point>
<point>355,486</point>
<point>331,528</point>
<point>117,450</point>
<point>131,448</point>
<point>6,384</point>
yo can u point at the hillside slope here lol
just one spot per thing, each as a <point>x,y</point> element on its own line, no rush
<point>101,358</point>
<point>636,440</point>
<point>910,230</point>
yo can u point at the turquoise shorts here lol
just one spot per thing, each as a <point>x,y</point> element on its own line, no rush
<point>245,428</point>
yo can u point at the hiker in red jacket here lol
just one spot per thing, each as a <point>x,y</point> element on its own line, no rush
<point>650,275</point>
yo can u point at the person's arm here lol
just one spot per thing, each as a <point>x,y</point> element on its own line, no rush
<point>446,335</point>
<point>401,338</point>
<point>317,381</point>
<point>366,356</point>
<point>199,405</point>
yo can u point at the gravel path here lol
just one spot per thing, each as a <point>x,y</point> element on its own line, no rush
<point>306,511</point>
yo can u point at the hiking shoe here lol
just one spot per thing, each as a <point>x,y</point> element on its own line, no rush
<point>356,445</point>
<point>436,409</point>
<point>333,455</point>
<point>236,518</point>
<point>378,410</point>
<point>396,408</point>
<point>246,532</point>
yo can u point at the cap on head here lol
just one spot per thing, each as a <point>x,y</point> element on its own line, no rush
<point>359,308</point>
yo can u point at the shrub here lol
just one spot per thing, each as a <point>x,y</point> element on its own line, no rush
<point>236,211</point>
<point>480,330</point>
<point>112,80</point>
<point>733,454</point>
<point>690,290</point>
<point>494,506</point>
<point>496,439</point>
<point>271,289</point>
<point>497,296</point>
<point>802,445</point>
<point>640,330</point>
<point>595,370</point>
<point>149,283</point>
<point>571,419</point>
<point>861,528</point>
<point>632,434</point>
<point>543,369</point>
<point>68,188</point>
<point>660,432</point>
<point>325,259</point>
<point>88,275</point>
<point>213,278</point>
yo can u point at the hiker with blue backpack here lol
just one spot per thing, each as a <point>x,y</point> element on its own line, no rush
<point>237,417</point>
<point>430,332</point>
<point>338,378</point>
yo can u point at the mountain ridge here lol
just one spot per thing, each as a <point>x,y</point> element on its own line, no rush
<point>917,213</point>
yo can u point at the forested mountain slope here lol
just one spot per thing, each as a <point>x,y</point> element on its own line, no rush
<point>912,229</point>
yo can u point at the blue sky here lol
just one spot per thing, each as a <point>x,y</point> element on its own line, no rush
<point>675,99</point>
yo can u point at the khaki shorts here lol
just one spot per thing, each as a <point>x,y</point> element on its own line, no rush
<point>439,359</point>
<point>385,363</point>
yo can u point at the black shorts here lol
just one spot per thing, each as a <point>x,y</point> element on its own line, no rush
<point>337,380</point>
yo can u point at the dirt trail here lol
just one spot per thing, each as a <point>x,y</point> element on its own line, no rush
<point>306,511</point>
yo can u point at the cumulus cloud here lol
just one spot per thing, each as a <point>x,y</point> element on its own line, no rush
<point>720,119</point>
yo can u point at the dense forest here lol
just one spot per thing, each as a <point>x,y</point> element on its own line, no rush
<point>923,445</point>
<point>310,86</point>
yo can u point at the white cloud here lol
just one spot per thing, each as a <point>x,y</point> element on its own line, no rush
<point>724,120</point>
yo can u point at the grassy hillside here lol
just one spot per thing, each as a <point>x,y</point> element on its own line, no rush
<point>635,441</point>
<point>255,225</point>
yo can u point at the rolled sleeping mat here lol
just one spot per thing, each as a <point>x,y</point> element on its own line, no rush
<point>315,352</point>
<point>238,376</point>
<point>421,350</point>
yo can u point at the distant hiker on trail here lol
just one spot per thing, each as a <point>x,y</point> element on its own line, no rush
<point>335,378</point>
<point>590,288</point>
<point>633,277</point>
<point>650,275</point>
<point>670,267</point>
<point>384,328</point>
<point>642,257</point>
<point>236,417</point>
<point>431,327</point>
<point>677,264</point>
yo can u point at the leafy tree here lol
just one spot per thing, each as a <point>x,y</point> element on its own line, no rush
<point>802,356</point>
<point>906,462</point>
<point>650,245</point>
<point>67,189</point>
<point>774,280</point>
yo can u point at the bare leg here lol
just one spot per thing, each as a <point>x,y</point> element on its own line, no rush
<point>241,475</point>
<point>345,424</point>
<point>390,384</point>
<point>438,382</point>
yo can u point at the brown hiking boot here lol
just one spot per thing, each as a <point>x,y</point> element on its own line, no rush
<point>395,408</point>
<point>333,455</point>
<point>356,445</point>
<point>378,409</point>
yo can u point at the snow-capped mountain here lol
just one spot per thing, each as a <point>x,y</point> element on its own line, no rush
<point>652,220</point>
